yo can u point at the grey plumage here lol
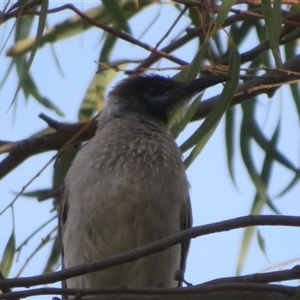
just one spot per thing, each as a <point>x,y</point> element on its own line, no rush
<point>127,187</point>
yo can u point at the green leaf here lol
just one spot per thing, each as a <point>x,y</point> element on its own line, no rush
<point>56,60</point>
<point>290,51</point>
<point>195,16</point>
<point>41,26</point>
<point>8,255</point>
<point>62,165</point>
<point>23,27</point>
<point>229,140</point>
<point>37,40</point>
<point>75,25</point>
<point>29,88</point>
<point>194,69</point>
<point>224,11</point>
<point>240,33</point>
<point>94,98</point>
<point>245,143</point>
<point>249,130</point>
<point>220,46</point>
<point>60,31</point>
<point>261,243</point>
<point>35,193</point>
<point>274,153</point>
<point>186,75</point>
<point>107,49</point>
<point>260,200</point>
<point>292,183</point>
<point>262,58</point>
<point>114,9</point>
<point>273,26</point>
<point>200,137</point>
<point>53,259</point>
<point>6,75</point>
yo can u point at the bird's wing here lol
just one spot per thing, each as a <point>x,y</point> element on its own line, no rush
<point>62,218</point>
<point>186,221</point>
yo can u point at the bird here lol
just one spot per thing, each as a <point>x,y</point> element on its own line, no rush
<point>127,187</point>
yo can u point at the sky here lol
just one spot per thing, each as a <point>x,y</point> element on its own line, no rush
<point>214,196</point>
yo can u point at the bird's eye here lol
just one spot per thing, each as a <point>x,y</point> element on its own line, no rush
<point>153,90</point>
<point>156,91</point>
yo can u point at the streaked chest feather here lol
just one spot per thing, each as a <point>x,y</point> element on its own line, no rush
<point>139,152</point>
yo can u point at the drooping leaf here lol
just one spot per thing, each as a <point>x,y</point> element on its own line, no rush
<point>75,25</point>
<point>289,186</point>
<point>224,11</point>
<point>29,88</point>
<point>239,33</point>
<point>106,49</point>
<point>204,132</point>
<point>260,200</point>
<point>194,69</point>
<point>56,60</point>
<point>194,15</point>
<point>264,143</point>
<point>8,255</point>
<point>245,143</point>
<point>262,244</point>
<point>229,141</point>
<point>53,259</point>
<point>264,58</point>
<point>290,52</point>
<point>6,75</point>
<point>94,98</point>
<point>37,40</point>
<point>272,16</point>
<point>35,193</point>
<point>115,10</point>
<point>62,165</point>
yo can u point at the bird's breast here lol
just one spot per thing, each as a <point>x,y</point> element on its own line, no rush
<point>129,189</point>
<point>140,155</point>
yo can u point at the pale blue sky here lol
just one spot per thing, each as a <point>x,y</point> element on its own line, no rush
<point>213,195</point>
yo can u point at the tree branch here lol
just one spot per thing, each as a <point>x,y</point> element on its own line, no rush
<point>21,150</point>
<point>152,248</point>
<point>240,15</point>
<point>253,288</point>
<point>276,276</point>
<point>264,84</point>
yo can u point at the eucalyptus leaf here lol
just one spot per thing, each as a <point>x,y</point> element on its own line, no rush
<point>8,255</point>
<point>273,18</point>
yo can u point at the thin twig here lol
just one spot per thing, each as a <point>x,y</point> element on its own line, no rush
<point>141,66</point>
<point>120,34</point>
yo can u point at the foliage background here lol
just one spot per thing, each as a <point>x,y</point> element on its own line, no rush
<point>226,178</point>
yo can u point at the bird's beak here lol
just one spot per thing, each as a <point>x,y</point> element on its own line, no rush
<point>184,91</point>
<point>190,88</point>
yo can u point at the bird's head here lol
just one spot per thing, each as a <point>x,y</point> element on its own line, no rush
<point>158,97</point>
